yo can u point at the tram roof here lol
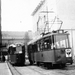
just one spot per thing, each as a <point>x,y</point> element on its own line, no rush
<point>47,35</point>
<point>12,45</point>
<point>34,40</point>
<point>15,45</point>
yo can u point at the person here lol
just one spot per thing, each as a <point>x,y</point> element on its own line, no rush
<point>3,58</point>
<point>6,58</point>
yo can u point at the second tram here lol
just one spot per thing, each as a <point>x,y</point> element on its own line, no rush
<point>17,54</point>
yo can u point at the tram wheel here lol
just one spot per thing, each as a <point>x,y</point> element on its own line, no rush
<point>48,65</point>
<point>62,65</point>
<point>31,62</point>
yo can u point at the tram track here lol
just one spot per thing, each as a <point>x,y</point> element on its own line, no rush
<point>50,71</point>
<point>31,70</point>
<point>13,70</point>
<point>37,71</point>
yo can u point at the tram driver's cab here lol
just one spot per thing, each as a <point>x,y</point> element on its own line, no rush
<point>63,51</point>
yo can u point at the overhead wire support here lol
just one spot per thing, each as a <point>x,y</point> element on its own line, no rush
<point>46,22</point>
<point>53,21</point>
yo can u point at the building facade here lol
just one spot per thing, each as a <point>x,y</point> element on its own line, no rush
<point>12,37</point>
<point>53,15</point>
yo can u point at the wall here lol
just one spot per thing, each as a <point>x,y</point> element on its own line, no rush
<point>0,25</point>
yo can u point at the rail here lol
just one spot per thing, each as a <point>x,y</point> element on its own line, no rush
<point>13,70</point>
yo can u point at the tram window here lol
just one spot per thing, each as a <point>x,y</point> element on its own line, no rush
<point>41,44</point>
<point>51,44</point>
<point>58,44</point>
<point>12,50</point>
<point>34,48</point>
<point>38,46</point>
<point>47,43</point>
<point>30,48</point>
<point>61,41</point>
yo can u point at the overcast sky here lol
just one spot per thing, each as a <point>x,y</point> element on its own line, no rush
<point>66,12</point>
<point>16,14</point>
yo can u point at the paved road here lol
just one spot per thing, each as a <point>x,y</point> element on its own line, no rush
<point>35,70</point>
<point>40,70</point>
<point>4,70</point>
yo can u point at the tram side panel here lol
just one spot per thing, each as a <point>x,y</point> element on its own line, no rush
<point>45,56</point>
<point>49,56</point>
<point>12,59</point>
<point>38,57</point>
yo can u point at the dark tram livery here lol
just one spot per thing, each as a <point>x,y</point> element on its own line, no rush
<point>51,48</point>
<point>16,54</point>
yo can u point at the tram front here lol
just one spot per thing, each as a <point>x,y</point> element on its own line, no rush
<point>62,49</point>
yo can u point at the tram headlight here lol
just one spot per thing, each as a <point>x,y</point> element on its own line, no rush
<point>68,53</point>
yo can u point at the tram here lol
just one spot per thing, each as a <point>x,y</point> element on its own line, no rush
<point>16,54</point>
<point>51,48</point>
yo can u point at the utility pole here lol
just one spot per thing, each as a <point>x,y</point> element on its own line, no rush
<point>26,40</point>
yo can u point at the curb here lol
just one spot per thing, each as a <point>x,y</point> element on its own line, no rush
<point>8,69</point>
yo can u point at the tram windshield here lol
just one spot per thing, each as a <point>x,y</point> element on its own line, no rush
<point>61,41</point>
